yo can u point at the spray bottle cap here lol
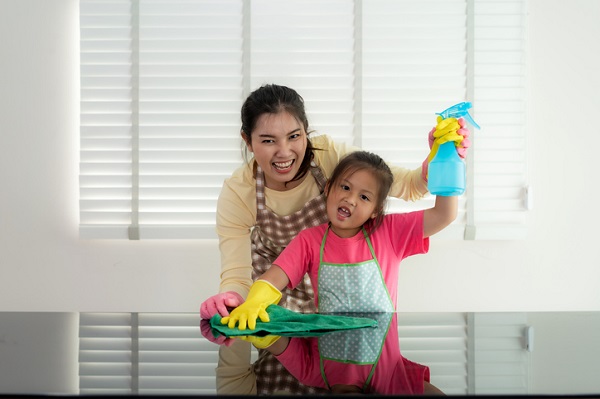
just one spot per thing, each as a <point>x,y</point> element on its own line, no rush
<point>460,110</point>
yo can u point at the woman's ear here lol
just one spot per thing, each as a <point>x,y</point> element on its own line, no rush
<point>246,140</point>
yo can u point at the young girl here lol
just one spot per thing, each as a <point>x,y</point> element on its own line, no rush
<point>263,205</point>
<point>352,261</point>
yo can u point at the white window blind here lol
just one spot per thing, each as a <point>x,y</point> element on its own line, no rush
<point>309,46</point>
<point>145,354</point>
<point>161,90</point>
<point>162,83</point>
<point>439,341</point>
<point>106,360</point>
<point>499,162</point>
<point>165,353</point>
<point>500,360</point>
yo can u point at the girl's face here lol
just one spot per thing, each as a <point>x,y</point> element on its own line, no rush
<point>279,144</point>
<point>351,202</point>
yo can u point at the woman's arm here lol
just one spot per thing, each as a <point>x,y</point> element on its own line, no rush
<point>234,372</point>
<point>235,217</point>
<point>408,184</point>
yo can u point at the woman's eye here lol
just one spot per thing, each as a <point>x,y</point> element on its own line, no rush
<point>294,136</point>
<point>267,141</point>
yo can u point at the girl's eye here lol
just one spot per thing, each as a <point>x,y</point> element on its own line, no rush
<point>364,198</point>
<point>345,187</point>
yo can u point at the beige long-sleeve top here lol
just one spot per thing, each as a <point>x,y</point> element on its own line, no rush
<point>236,215</point>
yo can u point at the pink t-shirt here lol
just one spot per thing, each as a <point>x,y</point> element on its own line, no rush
<point>393,375</point>
<point>400,235</point>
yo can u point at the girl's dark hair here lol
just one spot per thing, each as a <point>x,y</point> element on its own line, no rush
<point>364,160</point>
<point>273,99</point>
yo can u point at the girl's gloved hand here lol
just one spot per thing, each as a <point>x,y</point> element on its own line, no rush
<point>449,129</point>
<point>219,304</point>
<point>261,295</point>
<point>260,342</point>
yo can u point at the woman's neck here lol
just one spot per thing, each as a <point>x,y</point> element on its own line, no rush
<point>286,186</point>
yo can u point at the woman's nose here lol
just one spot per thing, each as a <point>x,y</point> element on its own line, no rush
<point>283,148</point>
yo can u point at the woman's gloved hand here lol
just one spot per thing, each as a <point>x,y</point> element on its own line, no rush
<point>449,129</point>
<point>261,295</point>
<point>219,304</point>
<point>207,332</point>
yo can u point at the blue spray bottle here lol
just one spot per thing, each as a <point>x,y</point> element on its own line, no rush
<point>447,171</point>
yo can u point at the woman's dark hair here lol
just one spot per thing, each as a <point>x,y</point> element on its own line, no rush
<point>273,99</point>
<point>364,160</point>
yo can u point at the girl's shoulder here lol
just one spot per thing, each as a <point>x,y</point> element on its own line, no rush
<point>391,220</point>
<point>312,236</point>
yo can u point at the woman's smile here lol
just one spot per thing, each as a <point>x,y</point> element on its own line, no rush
<point>283,167</point>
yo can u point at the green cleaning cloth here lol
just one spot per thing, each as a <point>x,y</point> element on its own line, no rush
<point>287,323</point>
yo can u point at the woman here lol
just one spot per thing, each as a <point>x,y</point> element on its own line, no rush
<point>262,206</point>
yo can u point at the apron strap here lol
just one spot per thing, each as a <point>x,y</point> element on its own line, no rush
<point>323,245</point>
<point>260,188</point>
<point>322,367</point>
<point>369,244</point>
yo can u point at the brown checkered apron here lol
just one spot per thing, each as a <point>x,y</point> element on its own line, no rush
<point>270,236</point>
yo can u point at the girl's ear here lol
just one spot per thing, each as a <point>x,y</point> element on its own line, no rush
<point>247,141</point>
<point>376,213</point>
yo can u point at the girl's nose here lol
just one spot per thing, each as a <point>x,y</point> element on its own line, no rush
<point>351,199</point>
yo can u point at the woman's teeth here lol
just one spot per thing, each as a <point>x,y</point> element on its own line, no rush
<point>283,165</point>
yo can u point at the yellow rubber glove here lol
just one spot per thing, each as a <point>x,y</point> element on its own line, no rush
<point>445,131</point>
<point>262,294</point>
<point>260,342</point>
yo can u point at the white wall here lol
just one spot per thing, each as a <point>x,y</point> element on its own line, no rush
<point>38,353</point>
<point>45,267</point>
<point>566,353</point>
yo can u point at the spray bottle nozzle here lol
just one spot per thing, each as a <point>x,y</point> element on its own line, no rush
<point>460,110</point>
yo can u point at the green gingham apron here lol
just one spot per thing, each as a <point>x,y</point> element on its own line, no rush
<point>271,234</point>
<point>351,288</point>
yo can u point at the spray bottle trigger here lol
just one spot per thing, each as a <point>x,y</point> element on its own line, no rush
<point>469,119</point>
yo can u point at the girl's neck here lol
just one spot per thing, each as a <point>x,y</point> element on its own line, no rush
<point>345,233</point>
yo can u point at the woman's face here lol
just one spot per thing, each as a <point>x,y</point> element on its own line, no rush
<point>279,144</point>
<point>351,202</point>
